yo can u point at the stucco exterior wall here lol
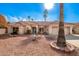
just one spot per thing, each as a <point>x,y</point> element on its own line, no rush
<point>2,31</point>
<point>55,31</point>
<point>67,30</point>
<point>50,30</point>
<point>21,30</point>
<point>10,30</point>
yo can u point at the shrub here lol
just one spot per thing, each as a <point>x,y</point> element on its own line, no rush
<point>1,26</point>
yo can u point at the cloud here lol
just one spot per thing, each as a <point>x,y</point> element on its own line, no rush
<point>14,18</point>
<point>22,19</point>
<point>6,18</point>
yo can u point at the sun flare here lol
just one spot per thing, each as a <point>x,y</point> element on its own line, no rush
<point>48,6</point>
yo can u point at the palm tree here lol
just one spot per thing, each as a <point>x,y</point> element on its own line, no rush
<point>29,18</point>
<point>32,19</point>
<point>45,14</point>
<point>61,42</point>
<point>45,18</point>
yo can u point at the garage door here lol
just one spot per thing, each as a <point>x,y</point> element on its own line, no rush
<point>55,31</point>
<point>67,31</point>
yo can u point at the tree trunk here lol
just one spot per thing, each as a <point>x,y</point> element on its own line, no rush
<point>45,14</point>
<point>61,42</point>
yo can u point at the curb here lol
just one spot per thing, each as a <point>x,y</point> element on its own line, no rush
<point>75,35</point>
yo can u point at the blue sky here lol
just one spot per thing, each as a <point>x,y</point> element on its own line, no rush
<point>19,11</point>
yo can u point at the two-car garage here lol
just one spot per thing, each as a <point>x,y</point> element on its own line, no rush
<point>54,30</point>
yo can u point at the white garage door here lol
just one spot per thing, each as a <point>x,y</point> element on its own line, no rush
<point>67,31</point>
<point>55,31</point>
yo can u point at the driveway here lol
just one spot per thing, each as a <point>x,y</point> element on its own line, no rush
<point>72,37</point>
<point>73,40</point>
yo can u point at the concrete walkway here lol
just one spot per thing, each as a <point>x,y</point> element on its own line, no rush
<point>75,35</point>
<point>73,39</point>
<point>74,42</point>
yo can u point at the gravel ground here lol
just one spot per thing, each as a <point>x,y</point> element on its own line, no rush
<point>24,46</point>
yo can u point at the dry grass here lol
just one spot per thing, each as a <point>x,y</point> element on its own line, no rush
<point>23,45</point>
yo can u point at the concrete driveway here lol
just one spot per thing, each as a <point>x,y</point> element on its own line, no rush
<point>73,40</point>
<point>72,37</point>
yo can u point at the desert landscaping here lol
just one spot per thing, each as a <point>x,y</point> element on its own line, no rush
<point>22,45</point>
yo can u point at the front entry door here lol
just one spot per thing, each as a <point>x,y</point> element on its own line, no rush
<point>15,30</point>
<point>41,30</point>
<point>33,30</point>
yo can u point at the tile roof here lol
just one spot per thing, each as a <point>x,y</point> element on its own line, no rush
<point>40,23</point>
